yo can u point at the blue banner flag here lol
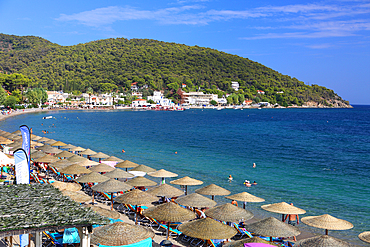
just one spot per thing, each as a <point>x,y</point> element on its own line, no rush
<point>26,144</point>
<point>22,169</point>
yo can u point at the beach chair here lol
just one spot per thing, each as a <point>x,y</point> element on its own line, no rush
<point>242,231</point>
<point>214,242</point>
<point>56,239</point>
<point>154,224</point>
<point>52,239</point>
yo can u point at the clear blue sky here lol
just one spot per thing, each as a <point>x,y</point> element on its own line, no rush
<point>318,42</point>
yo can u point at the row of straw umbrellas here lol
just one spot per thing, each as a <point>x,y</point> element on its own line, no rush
<point>48,151</point>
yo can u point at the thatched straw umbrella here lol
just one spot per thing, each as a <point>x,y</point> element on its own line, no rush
<point>66,186</point>
<point>272,227</point>
<point>283,208</point>
<point>88,163</point>
<point>105,212</point>
<point>207,228</point>
<point>36,144</point>
<point>76,158</point>
<point>113,158</point>
<point>120,233</point>
<point>118,173</point>
<point>185,181</point>
<point>5,141</point>
<point>143,168</point>
<point>37,154</point>
<point>126,164</point>
<point>44,139</point>
<point>141,182</point>
<point>47,159</point>
<point>165,190</point>
<point>196,200</point>
<point>79,197</point>
<point>111,186</point>
<point>240,243</point>
<point>58,144</point>
<point>51,150</point>
<point>60,164</point>
<point>229,213</point>
<point>63,154</point>
<point>77,149</point>
<point>88,152</point>
<point>102,168</point>
<point>327,222</point>
<point>92,177</point>
<point>169,212</point>
<point>322,241</point>
<point>75,170</point>
<point>17,132</point>
<point>36,138</point>
<point>50,141</point>
<point>15,138</point>
<point>365,236</point>
<point>245,197</point>
<point>136,197</point>
<point>99,156</point>
<point>162,174</point>
<point>68,146</point>
<point>213,190</point>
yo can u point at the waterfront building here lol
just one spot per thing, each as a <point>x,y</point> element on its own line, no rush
<point>159,99</point>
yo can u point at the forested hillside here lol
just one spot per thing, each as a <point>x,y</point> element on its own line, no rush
<point>113,64</point>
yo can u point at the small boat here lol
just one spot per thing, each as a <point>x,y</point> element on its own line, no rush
<point>219,108</point>
<point>48,117</point>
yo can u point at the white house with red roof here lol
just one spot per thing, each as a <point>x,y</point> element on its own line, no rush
<point>139,103</point>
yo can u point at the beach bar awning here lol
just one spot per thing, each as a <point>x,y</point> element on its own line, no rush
<point>33,208</point>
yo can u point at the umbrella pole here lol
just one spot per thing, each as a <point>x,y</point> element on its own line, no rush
<point>326,232</point>
<point>137,212</point>
<point>111,197</point>
<point>282,217</point>
<point>168,230</point>
<point>213,197</point>
<point>93,195</point>
<point>186,189</point>
<point>244,205</point>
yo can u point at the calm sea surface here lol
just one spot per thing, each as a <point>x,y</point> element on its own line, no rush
<point>319,159</point>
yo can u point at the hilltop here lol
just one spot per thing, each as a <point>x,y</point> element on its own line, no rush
<point>114,64</point>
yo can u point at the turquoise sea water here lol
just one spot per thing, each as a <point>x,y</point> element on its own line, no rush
<point>319,159</point>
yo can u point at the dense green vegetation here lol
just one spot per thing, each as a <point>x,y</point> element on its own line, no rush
<point>113,64</point>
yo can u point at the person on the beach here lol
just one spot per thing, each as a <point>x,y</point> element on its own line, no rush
<point>202,214</point>
<point>230,178</point>
<point>293,219</point>
<point>234,203</point>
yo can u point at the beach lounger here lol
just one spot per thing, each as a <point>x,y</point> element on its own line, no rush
<point>214,242</point>
<point>56,239</point>
<point>242,231</point>
<point>156,225</point>
<point>52,239</point>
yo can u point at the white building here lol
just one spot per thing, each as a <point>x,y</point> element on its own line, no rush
<point>235,85</point>
<point>139,103</point>
<point>158,98</point>
<point>222,101</point>
<point>101,99</point>
<point>199,98</point>
<point>55,97</point>
<point>137,94</point>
